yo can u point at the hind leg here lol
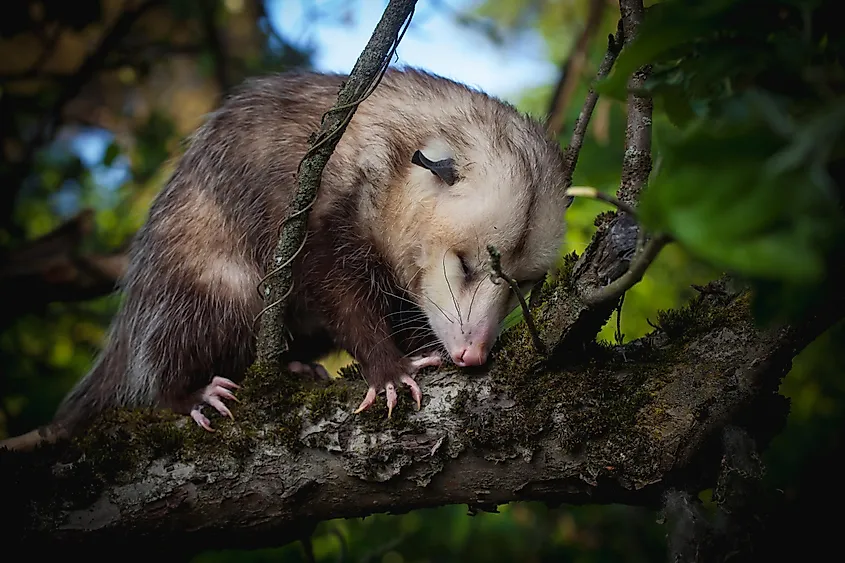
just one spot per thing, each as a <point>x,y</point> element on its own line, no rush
<point>305,350</point>
<point>311,369</point>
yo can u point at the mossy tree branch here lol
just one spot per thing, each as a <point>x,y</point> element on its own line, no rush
<point>586,424</point>
<point>365,75</point>
<point>617,425</point>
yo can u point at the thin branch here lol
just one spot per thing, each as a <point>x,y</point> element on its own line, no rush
<point>614,46</point>
<point>496,266</point>
<point>614,290</point>
<point>364,78</point>
<point>593,193</point>
<point>636,165</point>
<point>573,68</point>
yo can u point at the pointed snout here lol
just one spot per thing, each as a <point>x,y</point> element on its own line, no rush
<point>474,354</point>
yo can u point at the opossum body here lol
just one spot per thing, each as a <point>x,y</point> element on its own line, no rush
<point>428,173</point>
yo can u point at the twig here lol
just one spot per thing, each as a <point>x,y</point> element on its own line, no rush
<point>614,45</point>
<point>593,193</point>
<point>572,69</point>
<point>619,337</point>
<point>636,165</point>
<point>629,279</point>
<point>364,78</point>
<point>496,266</point>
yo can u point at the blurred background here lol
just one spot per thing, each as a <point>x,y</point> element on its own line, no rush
<point>96,99</point>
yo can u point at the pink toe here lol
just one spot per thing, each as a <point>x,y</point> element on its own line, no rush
<point>368,401</point>
<point>427,361</point>
<point>225,393</point>
<point>390,392</point>
<point>200,419</point>
<point>415,389</point>
<point>223,382</point>
<point>221,408</point>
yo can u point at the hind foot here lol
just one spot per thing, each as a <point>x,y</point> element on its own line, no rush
<point>315,370</point>
<point>417,363</point>
<point>218,389</point>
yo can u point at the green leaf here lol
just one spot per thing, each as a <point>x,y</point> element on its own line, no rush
<point>715,196</point>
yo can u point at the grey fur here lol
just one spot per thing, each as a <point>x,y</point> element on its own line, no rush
<point>189,292</point>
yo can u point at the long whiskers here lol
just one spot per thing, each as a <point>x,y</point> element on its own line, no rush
<point>449,285</point>
<point>474,293</point>
<point>389,336</point>
<point>430,300</point>
<point>424,346</point>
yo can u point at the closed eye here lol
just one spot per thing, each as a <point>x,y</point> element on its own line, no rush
<point>465,267</point>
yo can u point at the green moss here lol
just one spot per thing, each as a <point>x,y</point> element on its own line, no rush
<point>351,372</point>
<point>375,419</point>
<point>564,273</point>
<point>597,393</point>
<point>322,403</point>
<point>710,309</point>
<point>286,432</point>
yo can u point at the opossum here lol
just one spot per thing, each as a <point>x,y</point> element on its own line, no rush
<point>394,267</point>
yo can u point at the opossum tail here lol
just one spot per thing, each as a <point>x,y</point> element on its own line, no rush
<point>98,390</point>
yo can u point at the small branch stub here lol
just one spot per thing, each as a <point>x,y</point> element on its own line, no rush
<point>614,46</point>
<point>496,266</point>
<point>642,260</point>
<point>593,193</point>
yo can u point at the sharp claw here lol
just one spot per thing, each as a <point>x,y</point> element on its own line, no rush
<point>415,389</point>
<point>369,399</point>
<point>390,391</point>
<point>200,419</point>
<point>221,408</point>
<point>223,382</point>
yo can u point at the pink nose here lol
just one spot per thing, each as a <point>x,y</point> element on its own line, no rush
<point>473,355</point>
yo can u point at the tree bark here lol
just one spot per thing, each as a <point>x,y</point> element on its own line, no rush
<point>610,425</point>
<point>588,423</point>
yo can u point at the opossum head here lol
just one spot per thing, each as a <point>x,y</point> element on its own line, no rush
<point>508,195</point>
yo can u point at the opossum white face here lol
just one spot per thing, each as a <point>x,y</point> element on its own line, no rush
<point>510,203</point>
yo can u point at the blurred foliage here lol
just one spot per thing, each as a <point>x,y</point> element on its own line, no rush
<point>750,163</point>
<point>111,150</point>
<point>748,178</point>
<point>529,532</point>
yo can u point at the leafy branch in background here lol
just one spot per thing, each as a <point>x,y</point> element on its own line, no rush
<point>593,424</point>
<point>752,161</point>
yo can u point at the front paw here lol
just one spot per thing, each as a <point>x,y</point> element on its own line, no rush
<point>389,388</point>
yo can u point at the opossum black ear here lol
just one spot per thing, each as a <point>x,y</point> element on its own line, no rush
<point>443,169</point>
